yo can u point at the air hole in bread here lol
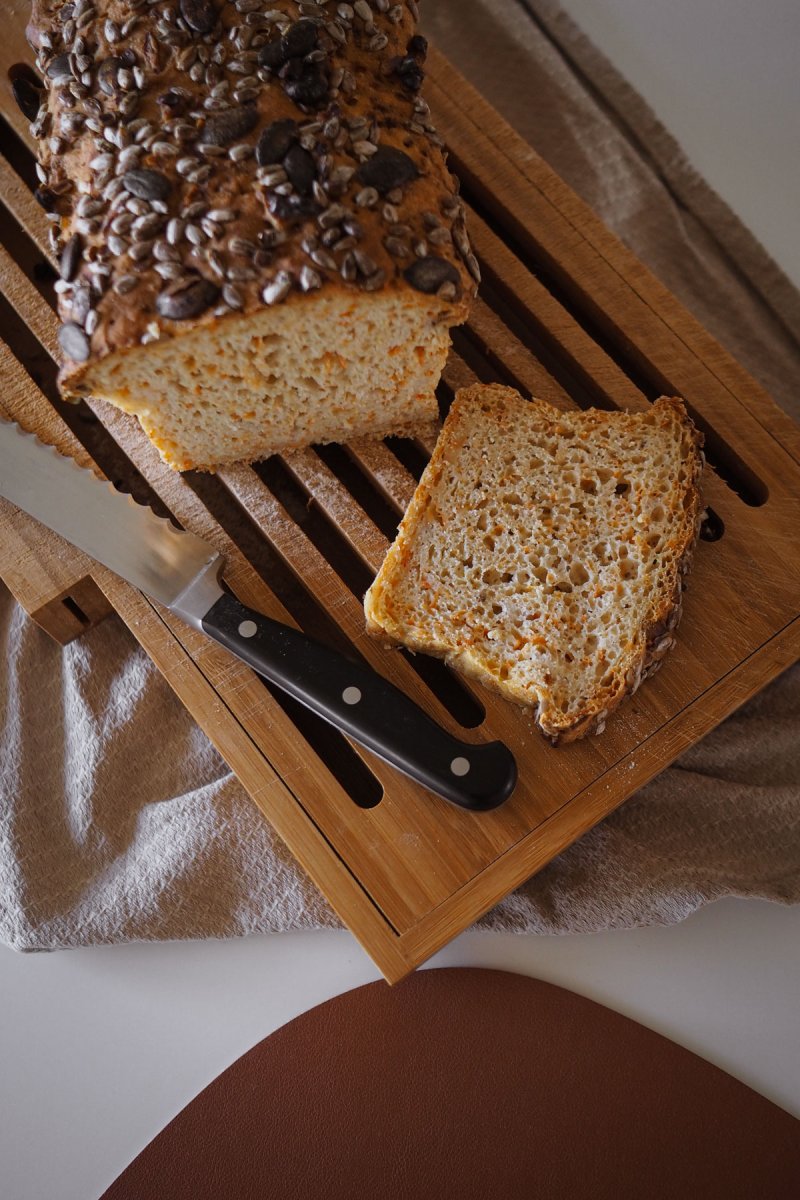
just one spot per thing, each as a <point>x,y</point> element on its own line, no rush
<point>578,574</point>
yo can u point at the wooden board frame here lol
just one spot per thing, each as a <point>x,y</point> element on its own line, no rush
<point>567,313</point>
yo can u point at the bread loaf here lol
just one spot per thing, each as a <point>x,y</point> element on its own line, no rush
<point>260,243</point>
<point>544,552</point>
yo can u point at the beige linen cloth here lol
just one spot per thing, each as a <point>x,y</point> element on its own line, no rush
<point>120,822</point>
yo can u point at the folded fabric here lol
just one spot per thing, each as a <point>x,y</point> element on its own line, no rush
<point>92,851</point>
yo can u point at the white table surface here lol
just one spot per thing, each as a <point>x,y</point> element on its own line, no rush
<point>99,1048</point>
<point>723,77</point>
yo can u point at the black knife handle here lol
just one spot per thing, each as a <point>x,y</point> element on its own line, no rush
<point>365,706</point>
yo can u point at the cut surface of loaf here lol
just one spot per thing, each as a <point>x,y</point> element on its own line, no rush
<point>260,243</point>
<point>544,552</point>
<point>282,379</point>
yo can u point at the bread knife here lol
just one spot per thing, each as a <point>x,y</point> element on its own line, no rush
<point>183,572</point>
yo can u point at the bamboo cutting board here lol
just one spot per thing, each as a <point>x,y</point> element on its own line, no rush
<point>566,313</point>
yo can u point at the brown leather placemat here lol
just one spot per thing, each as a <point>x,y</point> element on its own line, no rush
<point>472,1084</point>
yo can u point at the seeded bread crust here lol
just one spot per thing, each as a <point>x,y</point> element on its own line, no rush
<point>203,160</point>
<point>406,605</point>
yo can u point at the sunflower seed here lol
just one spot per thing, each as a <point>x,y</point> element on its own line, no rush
<point>71,258</point>
<point>146,226</point>
<point>59,69</point>
<point>129,104</point>
<point>332,216</point>
<point>241,152</point>
<point>144,131</point>
<point>365,263</point>
<point>374,281</point>
<point>186,298</point>
<point>163,252</point>
<point>87,207</point>
<point>396,248</point>
<point>175,230</point>
<point>74,342</point>
<point>473,267</point>
<point>139,251</point>
<point>271,176</point>
<point>242,247</point>
<point>310,279</point>
<point>125,284</point>
<point>215,261</point>
<point>461,240</point>
<point>169,270</point>
<point>122,223</point>
<point>232,296</point>
<point>119,200</point>
<point>129,157</point>
<point>240,274</point>
<point>81,303</point>
<point>278,289</point>
<point>102,162</point>
<point>323,259</point>
<point>348,269</point>
<point>147,184</point>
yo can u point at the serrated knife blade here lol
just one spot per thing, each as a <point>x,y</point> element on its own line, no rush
<point>90,513</point>
<point>182,572</point>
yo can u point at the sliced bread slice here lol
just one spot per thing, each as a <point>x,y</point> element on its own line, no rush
<point>544,551</point>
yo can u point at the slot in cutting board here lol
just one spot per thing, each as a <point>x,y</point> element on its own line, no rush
<point>566,313</point>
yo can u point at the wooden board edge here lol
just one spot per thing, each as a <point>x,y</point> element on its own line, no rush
<point>561,830</point>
